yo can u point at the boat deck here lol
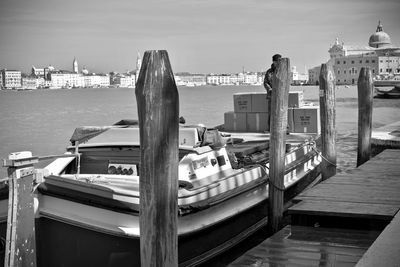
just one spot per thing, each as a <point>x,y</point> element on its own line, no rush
<point>339,219</point>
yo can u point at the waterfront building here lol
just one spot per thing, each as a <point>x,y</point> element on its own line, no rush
<point>66,79</point>
<point>297,77</point>
<point>75,66</point>
<point>313,75</point>
<point>11,79</point>
<point>246,78</point>
<point>236,78</point>
<point>47,72</point>
<point>260,78</point>
<point>99,80</point>
<point>188,79</point>
<point>126,81</point>
<point>250,78</point>
<point>38,72</point>
<point>380,56</point>
<point>85,71</point>
<point>33,82</point>
<point>219,79</point>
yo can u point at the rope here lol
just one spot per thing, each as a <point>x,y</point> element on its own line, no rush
<point>314,147</point>
<point>268,178</point>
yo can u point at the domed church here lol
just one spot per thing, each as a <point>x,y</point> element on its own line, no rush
<point>380,56</point>
<point>379,39</point>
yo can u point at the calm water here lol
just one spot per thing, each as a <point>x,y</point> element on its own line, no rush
<point>42,121</point>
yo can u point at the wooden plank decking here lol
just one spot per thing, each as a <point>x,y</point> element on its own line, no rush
<point>336,221</point>
<point>367,197</point>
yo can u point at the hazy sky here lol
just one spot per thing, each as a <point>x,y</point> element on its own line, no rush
<point>201,36</point>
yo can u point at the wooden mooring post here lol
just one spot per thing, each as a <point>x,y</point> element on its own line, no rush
<point>365,87</point>
<point>279,110</point>
<point>328,117</point>
<point>20,239</point>
<point>158,109</point>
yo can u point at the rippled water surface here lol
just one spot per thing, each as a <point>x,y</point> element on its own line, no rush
<point>42,121</point>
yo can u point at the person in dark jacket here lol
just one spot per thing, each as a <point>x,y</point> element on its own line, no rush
<point>268,82</point>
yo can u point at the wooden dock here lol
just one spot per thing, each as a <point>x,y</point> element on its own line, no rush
<point>337,222</point>
<point>386,137</point>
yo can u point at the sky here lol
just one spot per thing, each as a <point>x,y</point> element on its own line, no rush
<point>201,36</point>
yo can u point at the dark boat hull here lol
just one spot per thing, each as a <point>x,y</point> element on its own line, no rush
<point>63,244</point>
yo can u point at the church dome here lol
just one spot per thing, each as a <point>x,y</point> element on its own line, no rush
<point>379,38</point>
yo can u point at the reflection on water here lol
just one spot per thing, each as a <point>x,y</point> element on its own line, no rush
<point>42,121</point>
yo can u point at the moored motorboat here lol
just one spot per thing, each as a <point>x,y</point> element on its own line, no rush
<point>388,92</point>
<point>88,205</point>
<point>388,87</point>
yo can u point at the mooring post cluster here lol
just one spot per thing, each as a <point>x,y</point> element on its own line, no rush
<point>158,110</point>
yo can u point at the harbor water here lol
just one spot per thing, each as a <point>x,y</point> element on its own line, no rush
<point>42,121</point>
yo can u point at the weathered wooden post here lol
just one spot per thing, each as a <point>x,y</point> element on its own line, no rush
<point>365,105</point>
<point>279,110</point>
<point>158,109</point>
<point>20,239</point>
<point>328,117</point>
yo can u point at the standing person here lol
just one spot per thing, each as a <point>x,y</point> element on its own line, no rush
<point>268,83</point>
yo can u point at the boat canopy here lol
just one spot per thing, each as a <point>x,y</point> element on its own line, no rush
<point>128,134</point>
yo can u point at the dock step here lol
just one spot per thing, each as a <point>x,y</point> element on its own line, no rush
<point>309,246</point>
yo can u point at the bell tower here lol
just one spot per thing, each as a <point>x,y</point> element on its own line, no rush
<point>75,66</point>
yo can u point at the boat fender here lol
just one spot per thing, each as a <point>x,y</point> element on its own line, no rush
<point>185,184</point>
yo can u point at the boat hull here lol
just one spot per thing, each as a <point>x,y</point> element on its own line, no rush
<point>384,93</point>
<point>63,244</point>
<point>88,223</point>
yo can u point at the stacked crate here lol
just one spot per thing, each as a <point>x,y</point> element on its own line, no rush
<point>251,114</point>
<point>302,118</point>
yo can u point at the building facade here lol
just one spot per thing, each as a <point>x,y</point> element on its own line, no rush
<point>38,72</point>
<point>125,81</point>
<point>297,77</point>
<point>65,79</point>
<point>96,80</point>
<point>11,79</point>
<point>188,79</point>
<point>380,56</point>
<point>247,78</point>
<point>313,75</point>
<point>32,82</point>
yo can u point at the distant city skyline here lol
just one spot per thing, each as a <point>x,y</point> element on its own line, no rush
<point>200,36</point>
